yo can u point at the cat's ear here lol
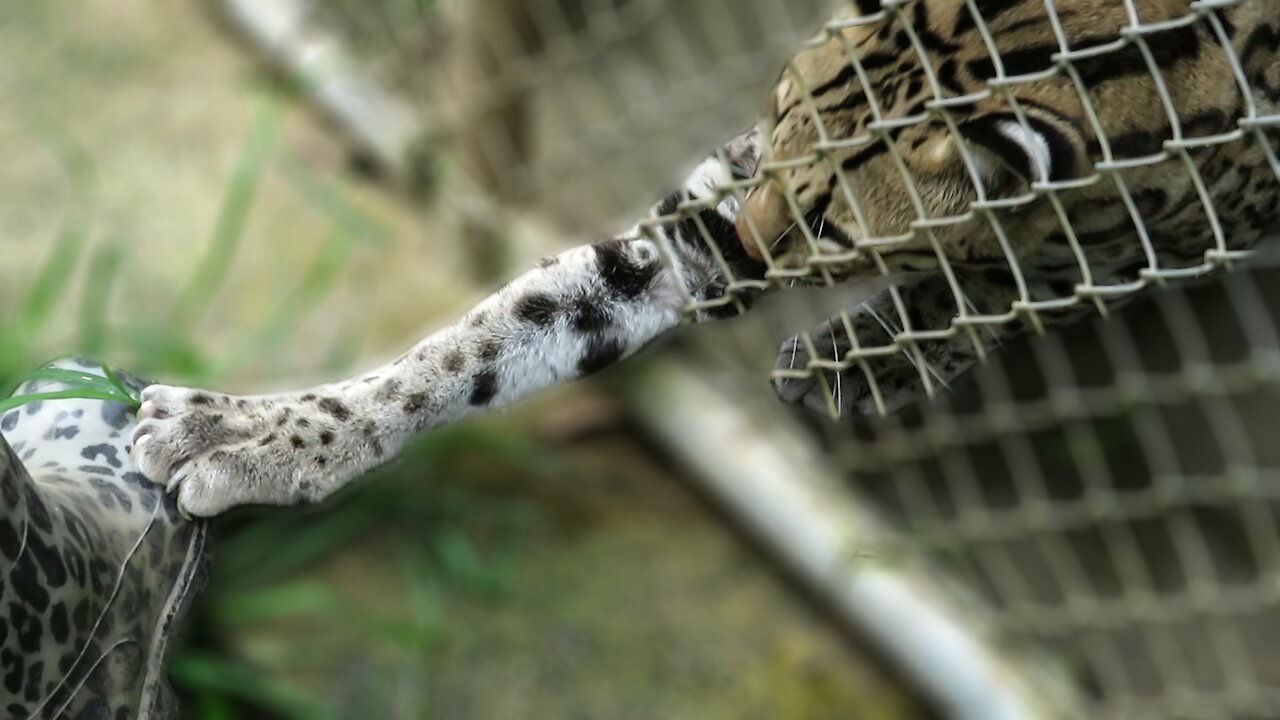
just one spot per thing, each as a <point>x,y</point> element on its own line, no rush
<point>1011,154</point>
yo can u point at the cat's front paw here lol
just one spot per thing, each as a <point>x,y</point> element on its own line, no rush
<point>214,452</point>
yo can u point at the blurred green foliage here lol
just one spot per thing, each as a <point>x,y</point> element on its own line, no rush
<point>447,543</point>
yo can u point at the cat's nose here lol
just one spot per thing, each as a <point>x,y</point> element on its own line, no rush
<point>763,220</point>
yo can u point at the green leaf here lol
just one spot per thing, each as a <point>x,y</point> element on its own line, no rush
<point>19,400</point>
<point>354,222</point>
<point>51,283</point>
<point>74,378</point>
<point>17,335</point>
<point>104,270</point>
<point>315,285</point>
<point>115,381</point>
<point>213,268</point>
<point>80,385</point>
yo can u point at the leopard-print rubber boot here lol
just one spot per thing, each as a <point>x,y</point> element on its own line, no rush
<point>96,565</point>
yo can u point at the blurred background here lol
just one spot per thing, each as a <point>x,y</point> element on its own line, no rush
<point>260,195</point>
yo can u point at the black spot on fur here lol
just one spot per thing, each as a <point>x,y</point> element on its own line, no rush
<point>270,438</point>
<point>484,387</point>
<point>985,132</point>
<point>96,470</point>
<point>27,627</point>
<point>326,437</point>
<point>490,349</point>
<point>115,415</point>
<point>10,420</point>
<point>50,561</point>
<point>414,403</point>
<point>621,274</point>
<point>389,389</point>
<point>109,452</point>
<point>668,206</point>
<point>601,353</point>
<point>297,442</point>
<point>66,433</point>
<point>200,399</point>
<point>588,316</point>
<point>12,664</point>
<point>59,624</point>
<point>10,542</point>
<point>371,433</point>
<point>83,610</point>
<point>454,361</point>
<point>29,588</point>
<point>37,513</point>
<point>708,228</point>
<point>335,408</point>
<point>302,422</point>
<point>537,308</point>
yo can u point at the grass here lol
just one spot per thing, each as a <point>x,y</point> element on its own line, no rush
<point>81,384</point>
<point>445,541</point>
<point>228,233</point>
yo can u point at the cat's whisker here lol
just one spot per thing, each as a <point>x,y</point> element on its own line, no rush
<point>838,393</point>
<point>893,330</point>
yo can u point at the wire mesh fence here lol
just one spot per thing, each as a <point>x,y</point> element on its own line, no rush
<point>1040,188</point>
<point>1108,490</point>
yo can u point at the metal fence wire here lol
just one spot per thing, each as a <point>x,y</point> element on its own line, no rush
<point>1107,492</point>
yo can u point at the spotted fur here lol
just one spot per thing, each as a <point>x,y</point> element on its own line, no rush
<point>96,564</point>
<point>856,144</point>
<point>574,315</point>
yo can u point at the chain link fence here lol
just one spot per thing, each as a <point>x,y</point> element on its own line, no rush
<point>1104,497</point>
